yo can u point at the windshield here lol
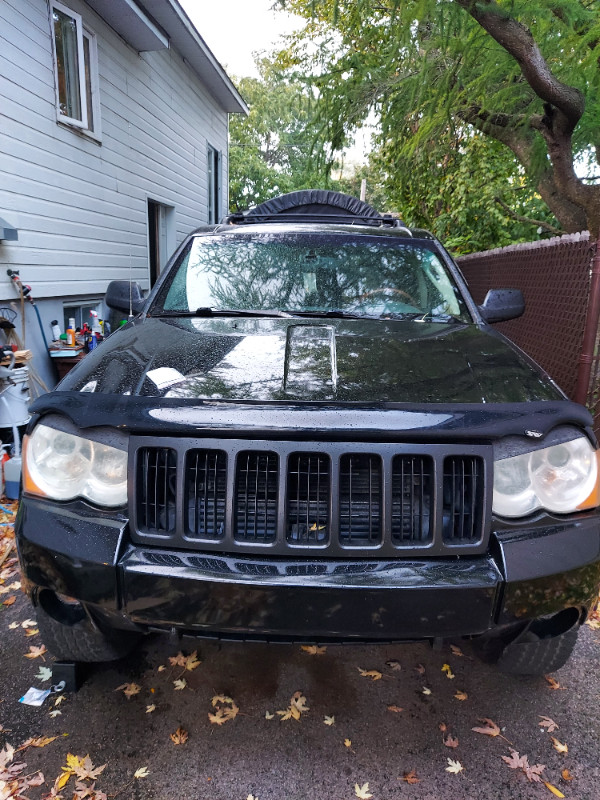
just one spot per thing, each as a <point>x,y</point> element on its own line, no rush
<point>305,273</point>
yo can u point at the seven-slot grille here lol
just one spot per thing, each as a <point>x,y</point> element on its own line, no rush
<point>323,499</point>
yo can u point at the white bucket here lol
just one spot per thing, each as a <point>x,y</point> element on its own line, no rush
<point>14,398</point>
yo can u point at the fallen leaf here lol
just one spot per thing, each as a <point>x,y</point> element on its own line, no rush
<point>40,741</point>
<point>362,791</point>
<point>129,689</point>
<point>31,632</point>
<point>446,668</point>
<point>36,652</point>
<point>516,761</point>
<point>162,668</point>
<point>180,736</point>
<point>299,701</point>
<point>85,770</point>
<point>313,649</point>
<point>443,727</point>
<point>454,767</point>
<point>226,711</point>
<point>456,651</point>
<point>491,729</point>
<point>450,741</point>
<point>553,684</point>
<point>28,623</point>
<point>410,777</point>
<point>374,674</point>
<point>10,600</point>
<point>329,720</point>
<point>178,660</point>
<point>220,698</point>
<point>59,699</point>
<point>180,684</point>
<point>395,665</point>
<point>268,715</point>
<point>142,772</point>
<point>192,661</point>
<point>556,792</point>
<point>420,669</point>
<point>44,674</point>
<point>566,775</point>
<point>54,713</point>
<point>548,723</point>
<point>426,690</point>
<point>13,626</point>
<point>559,746</point>
<point>395,709</point>
<point>347,742</point>
<point>150,708</point>
<point>460,695</point>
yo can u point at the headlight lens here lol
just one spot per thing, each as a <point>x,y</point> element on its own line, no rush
<point>560,478</point>
<point>63,466</point>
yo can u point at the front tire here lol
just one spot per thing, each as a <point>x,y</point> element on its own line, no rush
<point>80,640</point>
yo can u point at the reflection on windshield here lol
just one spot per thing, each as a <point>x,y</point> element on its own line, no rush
<point>307,273</point>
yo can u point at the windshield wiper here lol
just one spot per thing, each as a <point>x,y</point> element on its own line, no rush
<point>334,313</point>
<point>225,312</point>
<point>419,316</point>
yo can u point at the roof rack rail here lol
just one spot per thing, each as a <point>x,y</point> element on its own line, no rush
<point>385,220</point>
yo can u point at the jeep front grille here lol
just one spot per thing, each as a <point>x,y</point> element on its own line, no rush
<point>323,499</point>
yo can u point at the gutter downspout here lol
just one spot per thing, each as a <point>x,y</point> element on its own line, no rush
<point>584,369</point>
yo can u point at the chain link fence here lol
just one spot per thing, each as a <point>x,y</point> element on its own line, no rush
<point>554,275</point>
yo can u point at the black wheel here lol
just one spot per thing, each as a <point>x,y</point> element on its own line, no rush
<point>80,640</point>
<point>532,655</point>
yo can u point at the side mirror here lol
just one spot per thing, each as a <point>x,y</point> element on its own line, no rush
<point>123,295</point>
<point>502,304</point>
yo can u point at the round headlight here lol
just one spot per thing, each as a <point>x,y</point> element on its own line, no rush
<point>64,466</point>
<point>558,478</point>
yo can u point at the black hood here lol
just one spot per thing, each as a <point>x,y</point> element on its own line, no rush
<point>296,360</point>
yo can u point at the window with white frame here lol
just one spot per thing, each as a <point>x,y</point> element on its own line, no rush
<point>214,185</point>
<point>75,69</point>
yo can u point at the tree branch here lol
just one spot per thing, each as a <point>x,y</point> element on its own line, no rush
<point>539,223</point>
<point>518,41</point>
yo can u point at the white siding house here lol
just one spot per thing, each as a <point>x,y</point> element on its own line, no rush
<point>113,146</point>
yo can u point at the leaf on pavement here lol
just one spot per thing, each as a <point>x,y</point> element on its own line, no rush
<point>85,770</point>
<point>129,689</point>
<point>454,767</point>
<point>36,652</point>
<point>395,665</point>
<point>374,674</point>
<point>142,772</point>
<point>552,683</point>
<point>9,600</point>
<point>29,623</point>
<point>329,720</point>
<point>180,736</point>
<point>150,708</point>
<point>192,661</point>
<point>44,674</point>
<point>490,729</point>
<point>460,695</point>
<point>347,743</point>
<point>556,792</point>
<point>456,651</point>
<point>39,741</point>
<point>268,715</point>
<point>313,649</point>
<point>180,684</point>
<point>516,761</point>
<point>420,669</point>
<point>449,674</point>
<point>226,710</point>
<point>54,713</point>
<point>566,775</point>
<point>559,746</point>
<point>410,777</point>
<point>450,741</point>
<point>178,660</point>
<point>13,626</point>
<point>362,791</point>
<point>548,723</point>
<point>395,709</point>
<point>161,668</point>
<point>426,690</point>
<point>31,632</point>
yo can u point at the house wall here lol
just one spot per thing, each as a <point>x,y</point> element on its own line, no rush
<point>80,205</point>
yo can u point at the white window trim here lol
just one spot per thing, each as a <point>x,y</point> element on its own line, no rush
<point>83,122</point>
<point>97,132</point>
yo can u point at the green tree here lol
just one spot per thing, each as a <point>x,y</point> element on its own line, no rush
<point>524,73</point>
<point>277,148</point>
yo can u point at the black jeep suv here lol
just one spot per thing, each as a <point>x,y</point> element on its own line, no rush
<point>309,432</point>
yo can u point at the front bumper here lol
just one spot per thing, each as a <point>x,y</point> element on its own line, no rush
<point>70,549</point>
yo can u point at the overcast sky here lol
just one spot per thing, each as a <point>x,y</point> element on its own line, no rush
<point>234,29</point>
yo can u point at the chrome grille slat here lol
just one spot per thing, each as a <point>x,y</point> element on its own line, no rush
<point>319,499</point>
